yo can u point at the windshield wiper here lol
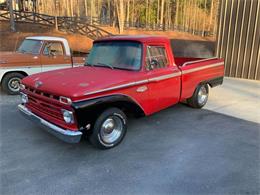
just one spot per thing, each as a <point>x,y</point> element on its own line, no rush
<point>99,65</point>
<point>88,64</point>
<point>22,51</point>
<point>103,64</point>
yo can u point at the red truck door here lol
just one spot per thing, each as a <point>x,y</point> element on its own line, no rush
<point>164,78</point>
<point>54,57</point>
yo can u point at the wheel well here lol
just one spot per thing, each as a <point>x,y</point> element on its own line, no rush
<point>21,72</point>
<point>214,82</point>
<point>210,85</point>
<point>129,108</point>
<point>90,113</point>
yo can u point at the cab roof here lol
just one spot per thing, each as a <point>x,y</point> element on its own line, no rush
<point>47,38</point>
<point>139,38</point>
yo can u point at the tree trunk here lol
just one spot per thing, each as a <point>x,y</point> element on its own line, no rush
<point>86,7</point>
<point>127,12</point>
<point>158,12</point>
<point>133,12</point>
<point>71,8</point>
<point>146,12</point>
<point>162,12</point>
<point>211,15</point>
<point>120,14</point>
<point>91,10</point>
<point>177,13</point>
<point>12,23</point>
<point>78,8</point>
<point>149,13</point>
<point>204,20</point>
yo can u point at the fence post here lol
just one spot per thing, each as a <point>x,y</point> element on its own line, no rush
<point>11,12</point>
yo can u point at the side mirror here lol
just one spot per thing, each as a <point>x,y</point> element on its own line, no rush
<point>153,64</point>
<point>52,53</point>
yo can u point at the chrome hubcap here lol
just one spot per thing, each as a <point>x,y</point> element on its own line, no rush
<point>202,95</point>
<point>111,129</point>
<point>14,84</point>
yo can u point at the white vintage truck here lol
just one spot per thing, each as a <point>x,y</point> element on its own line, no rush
<point>36,54</point>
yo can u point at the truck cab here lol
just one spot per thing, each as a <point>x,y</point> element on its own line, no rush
<point>35,54</point>
<point>123,76</point>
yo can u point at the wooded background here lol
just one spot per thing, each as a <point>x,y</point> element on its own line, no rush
<point>194,16</point>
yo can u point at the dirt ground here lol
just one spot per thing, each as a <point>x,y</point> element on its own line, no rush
<point>9,41</point>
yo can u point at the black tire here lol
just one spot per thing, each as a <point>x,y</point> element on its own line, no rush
<point>8,86</point>
<point>195,101</point>
<point>100,130</point>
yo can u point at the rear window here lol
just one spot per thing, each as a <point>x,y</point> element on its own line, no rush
<point>54,48</point>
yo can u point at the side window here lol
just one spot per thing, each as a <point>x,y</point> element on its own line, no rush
<point>156,57</point>
<point>53,48</point>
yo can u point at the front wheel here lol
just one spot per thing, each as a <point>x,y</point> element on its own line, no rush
<point>199,97</point>
<point>109,129</point>
<point>11,83</point>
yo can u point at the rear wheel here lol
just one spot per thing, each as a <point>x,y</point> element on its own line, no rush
<point>11,83</point>
<point>109,129</point>
<point>199,97</point>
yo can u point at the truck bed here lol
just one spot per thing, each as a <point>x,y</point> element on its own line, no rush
<point>195,70</point>
<point>182,61</point>
<point>79,57</point>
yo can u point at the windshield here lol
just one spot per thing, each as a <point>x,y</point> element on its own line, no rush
<point>30,46</point>
<point>116,54</point>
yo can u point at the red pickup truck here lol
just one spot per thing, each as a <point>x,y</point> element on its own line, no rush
<point>123,76</point>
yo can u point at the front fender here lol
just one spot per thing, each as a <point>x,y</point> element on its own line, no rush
<point>2,73</point>
<point>87,111</point>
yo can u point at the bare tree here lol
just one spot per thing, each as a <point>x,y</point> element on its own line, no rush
<point>195,15</point>
<point>158,11</point>
<point>127,12</point>
<point>12,23</point>
<point>177,12</point>
<point>146,12</point>
<point>162,12</point>
<point>119,4</point>
<point>86,7</point>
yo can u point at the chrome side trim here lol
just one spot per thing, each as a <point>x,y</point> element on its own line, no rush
<point>20,67</point>
<point>159,78</point>
<point>55,65</point>
<point>165,77</point>
<point>118,87</point>
<point>202,68</point>
<point>44,66</point>
<point>155,79</point>
<point>191,62</point>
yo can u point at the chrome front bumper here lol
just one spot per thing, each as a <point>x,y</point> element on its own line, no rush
<point>63,134</point>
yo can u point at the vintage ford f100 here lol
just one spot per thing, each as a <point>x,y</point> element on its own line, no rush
<point>123,75</point>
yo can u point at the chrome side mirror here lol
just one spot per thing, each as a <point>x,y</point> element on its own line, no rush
<point>153,64</point>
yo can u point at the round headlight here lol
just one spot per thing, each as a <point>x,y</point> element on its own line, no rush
<point>24,98</point>
<point>68,116</point>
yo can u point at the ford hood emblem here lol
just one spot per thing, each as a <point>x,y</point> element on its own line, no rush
<point>37,84</point>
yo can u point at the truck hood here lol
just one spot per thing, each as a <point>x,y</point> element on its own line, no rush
<point>78,82</point>
<point>14,58</point>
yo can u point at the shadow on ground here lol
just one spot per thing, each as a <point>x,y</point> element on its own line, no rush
<point>179,150</point>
